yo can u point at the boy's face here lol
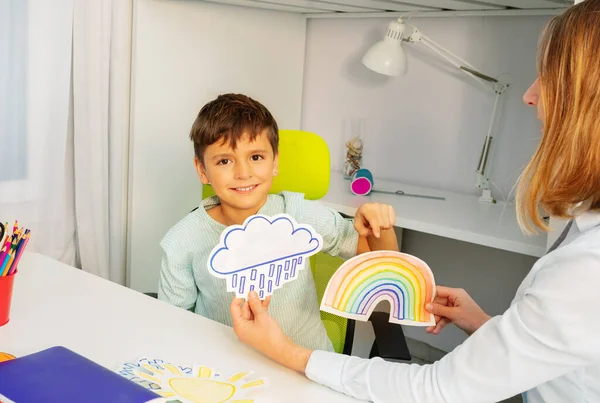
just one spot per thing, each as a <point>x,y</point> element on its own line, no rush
<point>241,178</point>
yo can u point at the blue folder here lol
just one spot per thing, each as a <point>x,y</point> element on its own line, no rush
<point>59,375</point>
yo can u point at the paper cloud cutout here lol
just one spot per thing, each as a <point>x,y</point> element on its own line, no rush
<point>263,254</point>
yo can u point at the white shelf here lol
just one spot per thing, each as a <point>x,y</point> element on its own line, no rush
<point>462,217</point>
<point>338,8</point>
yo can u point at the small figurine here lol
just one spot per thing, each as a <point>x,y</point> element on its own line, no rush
<point>353,161</point>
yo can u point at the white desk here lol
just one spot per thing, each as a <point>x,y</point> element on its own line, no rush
<point>462,217</point>
<point>55,304</point>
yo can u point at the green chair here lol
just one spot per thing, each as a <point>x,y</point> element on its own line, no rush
<point>304,167</point>
<point>340,330</point>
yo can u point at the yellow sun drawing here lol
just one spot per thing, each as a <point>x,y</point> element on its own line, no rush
<point>201,386</point>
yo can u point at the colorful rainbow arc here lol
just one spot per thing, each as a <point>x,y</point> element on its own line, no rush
<point>405,281</point>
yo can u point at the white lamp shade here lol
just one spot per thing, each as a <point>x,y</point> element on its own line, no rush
<point>386,57</point>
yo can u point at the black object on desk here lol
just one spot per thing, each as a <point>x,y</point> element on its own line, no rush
<point>389,343</point>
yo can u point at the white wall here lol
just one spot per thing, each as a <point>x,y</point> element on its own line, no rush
<point>426,128</point>
<point>186,53</point>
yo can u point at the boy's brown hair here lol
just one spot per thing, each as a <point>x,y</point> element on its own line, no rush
<point>227,118</point>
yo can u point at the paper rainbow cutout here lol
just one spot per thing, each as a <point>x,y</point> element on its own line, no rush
<point>405,281</point>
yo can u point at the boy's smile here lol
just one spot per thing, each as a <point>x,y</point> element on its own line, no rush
<point>240,177</point>
<point>244,190</point>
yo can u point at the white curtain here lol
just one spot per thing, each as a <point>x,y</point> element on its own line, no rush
<point>64,119</point>
<point>101,70</point>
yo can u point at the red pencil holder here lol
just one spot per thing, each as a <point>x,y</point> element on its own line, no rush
<point>6,290</point>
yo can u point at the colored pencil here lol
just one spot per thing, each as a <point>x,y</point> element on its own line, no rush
<point>20,253</point>
<point>7,243</point>
<point>15,242</point>
<point>4,264</point>
<point>2,256</point>
<point>12,247</point>
<point>11,258</point>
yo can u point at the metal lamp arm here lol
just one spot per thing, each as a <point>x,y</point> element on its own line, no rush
<point>456,61</point>
<point>489,82</point>
<point>481,167</point>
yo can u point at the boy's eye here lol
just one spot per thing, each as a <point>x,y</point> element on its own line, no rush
<point>224,161</point>
<point>256,157</point>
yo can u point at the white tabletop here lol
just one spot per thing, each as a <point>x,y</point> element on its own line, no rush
<point>462,217</point>
<point>55,304</point>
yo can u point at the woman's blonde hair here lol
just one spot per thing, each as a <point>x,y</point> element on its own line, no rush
<point>565,169</point>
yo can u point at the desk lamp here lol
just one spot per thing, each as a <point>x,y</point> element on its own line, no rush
<point>387,57</point>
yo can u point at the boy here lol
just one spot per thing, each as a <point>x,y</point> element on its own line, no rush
<point>236,151</point>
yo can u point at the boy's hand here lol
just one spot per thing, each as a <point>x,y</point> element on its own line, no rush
<point>371,218</point>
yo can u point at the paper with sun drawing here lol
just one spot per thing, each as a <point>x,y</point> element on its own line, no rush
<point>263,254</point>
<point>178,383</point>
<point>202,385</point>
<point>131,370</point>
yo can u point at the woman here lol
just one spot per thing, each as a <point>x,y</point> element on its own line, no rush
<point>547,344</point>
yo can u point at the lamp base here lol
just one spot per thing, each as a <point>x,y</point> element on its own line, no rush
<point>486,197</point>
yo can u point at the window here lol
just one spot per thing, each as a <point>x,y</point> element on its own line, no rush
<point>13,90</point>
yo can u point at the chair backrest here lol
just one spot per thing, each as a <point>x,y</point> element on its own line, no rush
<point>323,266</point>
<point>304,167</point>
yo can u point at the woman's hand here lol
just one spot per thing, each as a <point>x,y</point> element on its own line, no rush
<point>254,327</point>
<point>454,305</point>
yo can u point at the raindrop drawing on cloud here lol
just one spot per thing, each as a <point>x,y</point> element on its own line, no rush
<point>263,254</point>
